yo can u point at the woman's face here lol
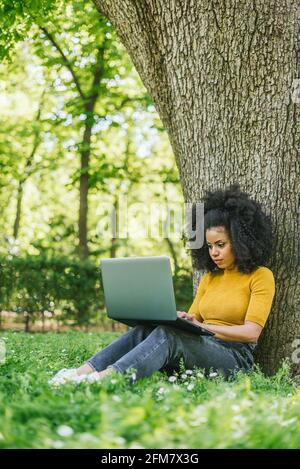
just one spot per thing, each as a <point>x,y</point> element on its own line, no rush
<point>219,246</point>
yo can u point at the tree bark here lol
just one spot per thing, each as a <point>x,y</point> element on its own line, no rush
<point>83,193</point>
<point>222,76</point>
<point>18,209</point>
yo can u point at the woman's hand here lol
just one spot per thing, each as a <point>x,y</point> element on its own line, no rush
<point>184,315</point>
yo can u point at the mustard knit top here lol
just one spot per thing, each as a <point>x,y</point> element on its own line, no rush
<point>230,298</point>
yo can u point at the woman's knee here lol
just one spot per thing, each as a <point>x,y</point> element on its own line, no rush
<point>167,331</point>
<point>143,328</point>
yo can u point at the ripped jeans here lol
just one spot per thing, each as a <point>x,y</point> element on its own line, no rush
<point>152,348</point>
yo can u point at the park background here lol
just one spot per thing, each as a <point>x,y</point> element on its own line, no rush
<point>82,136</point>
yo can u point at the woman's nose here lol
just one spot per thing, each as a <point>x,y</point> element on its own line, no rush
<point>214,251</point>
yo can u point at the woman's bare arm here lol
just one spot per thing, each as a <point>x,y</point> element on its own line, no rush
<point>248,332</point>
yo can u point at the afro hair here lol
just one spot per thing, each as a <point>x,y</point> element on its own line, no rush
<point>249,229</point>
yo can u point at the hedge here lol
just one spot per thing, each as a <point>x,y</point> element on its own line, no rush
<point>63,289</point>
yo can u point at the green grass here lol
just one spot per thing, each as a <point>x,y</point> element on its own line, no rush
<point>193,412</point>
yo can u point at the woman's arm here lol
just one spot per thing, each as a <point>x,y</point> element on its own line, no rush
<point>248,332</point>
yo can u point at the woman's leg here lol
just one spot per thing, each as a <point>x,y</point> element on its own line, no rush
<point>209,353</point>
<point>160,347</point>
<point>165,346</point>
<point>99,362</point>
<point>117,349</point>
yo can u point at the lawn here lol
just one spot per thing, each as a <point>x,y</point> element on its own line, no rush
<point>185,411</point>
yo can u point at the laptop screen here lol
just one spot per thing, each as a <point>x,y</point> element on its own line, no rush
<point>139,288</point>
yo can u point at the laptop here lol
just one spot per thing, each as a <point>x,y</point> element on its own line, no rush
<point>139,290</point>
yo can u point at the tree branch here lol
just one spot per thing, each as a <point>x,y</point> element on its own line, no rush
<point>65,60</point>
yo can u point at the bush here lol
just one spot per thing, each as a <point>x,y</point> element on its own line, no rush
<point>35,285</point>
<point>66,289</point>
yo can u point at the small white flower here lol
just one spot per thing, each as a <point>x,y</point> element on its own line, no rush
<point>172,379</point>
<point>87,437</point>
<point>136,446</point>
<point>189,372</point>
<point>113,381</point>
<point>65,430</point>
<point>161,391</point>
<point>190,387</point>
<point>57,444</point>
<point>238,419</point>
<point>120,440</point>
<point>213,374</point>
<point>200,375</point>
<point>133,376</point>
<point>184,376</point>
<point>286,423</point>
<point>236,408</point>
<point>116,398</point>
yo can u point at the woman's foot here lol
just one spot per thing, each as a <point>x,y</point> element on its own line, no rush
<point>93,377</point>
<point>85,369</point>
<point>63,376</point>
<point>68,375</point>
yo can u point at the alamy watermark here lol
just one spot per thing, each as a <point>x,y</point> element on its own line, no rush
<point>2,352</point>
<point>296,353</point>
<point>295,96</point>
<point>153,220</point>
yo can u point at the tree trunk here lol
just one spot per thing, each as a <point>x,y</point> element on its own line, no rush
<point>222,76</point>
<point>85,153</point>
<point>83,192</point>
<point>18,209</point>
<point>43,320</point>
<point>27,172</point>
<point>27,321</point>
<point>88,101</point>
<point>114,239</point>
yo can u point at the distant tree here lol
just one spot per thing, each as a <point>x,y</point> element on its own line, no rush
<point>82,43</point>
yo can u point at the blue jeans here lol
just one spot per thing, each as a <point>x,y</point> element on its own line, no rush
<point>151,348</point>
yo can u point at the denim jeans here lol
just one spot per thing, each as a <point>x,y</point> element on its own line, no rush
<point>151,348</point>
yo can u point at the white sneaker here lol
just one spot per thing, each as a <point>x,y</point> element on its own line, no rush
<point>89,378</point>
<point>63,376</point>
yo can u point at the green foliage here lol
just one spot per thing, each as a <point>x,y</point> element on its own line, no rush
<point>66,289</point>
<point>16,19</point>
<point>252,411</point>
<point>183,289</point>
<point>42,124</point>
<point>36,284</point>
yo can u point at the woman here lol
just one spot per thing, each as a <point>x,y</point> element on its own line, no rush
<point>233,300</point>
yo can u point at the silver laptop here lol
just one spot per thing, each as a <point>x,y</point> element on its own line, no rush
<point>139,290</point>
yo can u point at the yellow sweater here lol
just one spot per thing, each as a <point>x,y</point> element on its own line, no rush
<point>230,297</point>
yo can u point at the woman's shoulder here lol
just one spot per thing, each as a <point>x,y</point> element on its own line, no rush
<point>263,273</point>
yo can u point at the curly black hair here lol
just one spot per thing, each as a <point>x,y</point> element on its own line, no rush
<point>248,227</point>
